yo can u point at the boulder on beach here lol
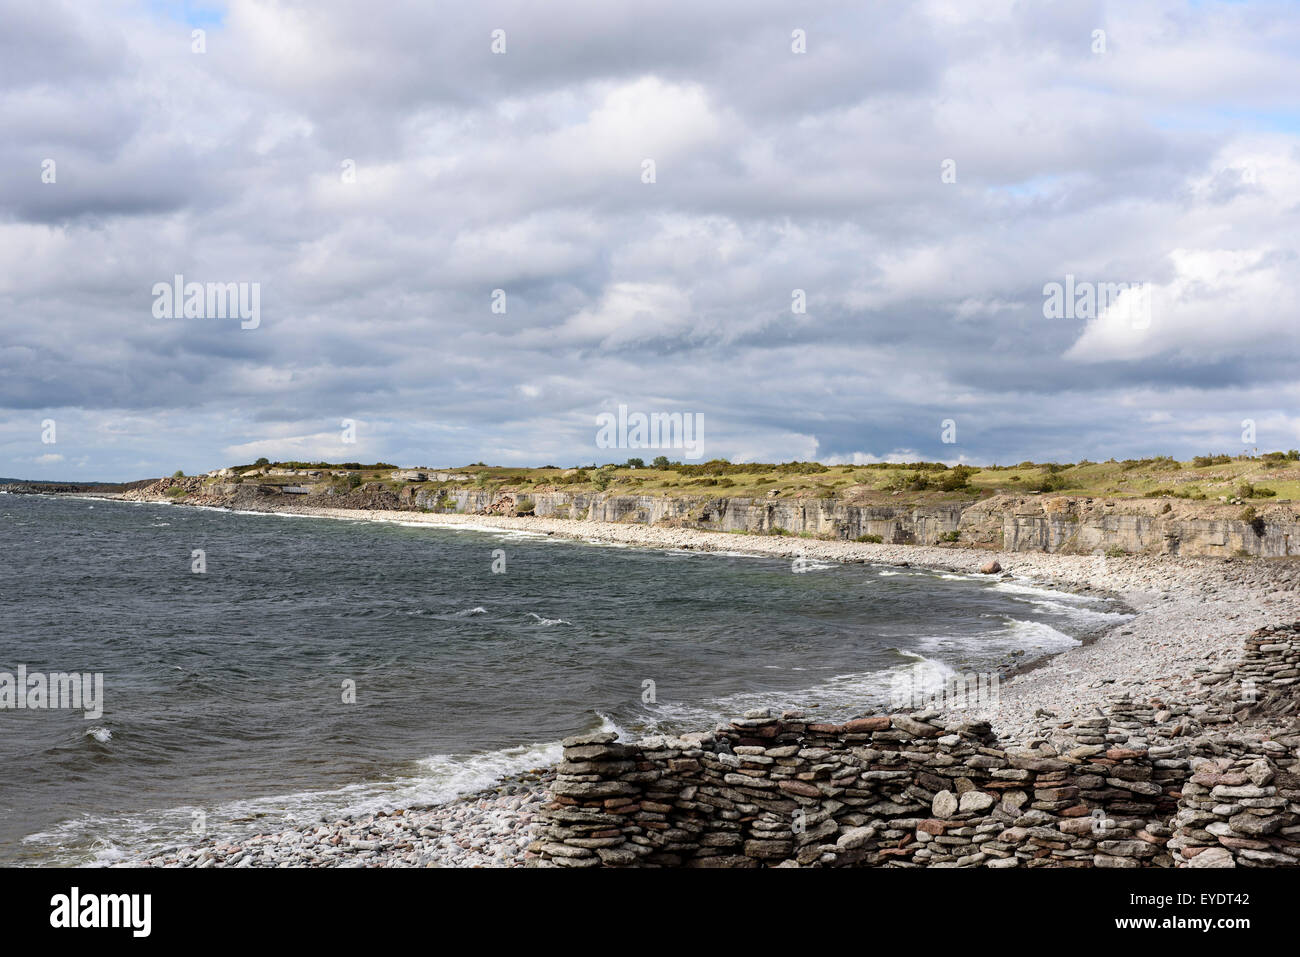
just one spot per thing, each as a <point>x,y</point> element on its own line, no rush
<point>990,568</point>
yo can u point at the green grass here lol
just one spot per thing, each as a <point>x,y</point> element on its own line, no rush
<point>1267,479</point>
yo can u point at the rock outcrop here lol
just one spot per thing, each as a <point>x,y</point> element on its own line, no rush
<point>1069,525</point>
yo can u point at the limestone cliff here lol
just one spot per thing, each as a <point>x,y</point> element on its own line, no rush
<point>1072,525</point>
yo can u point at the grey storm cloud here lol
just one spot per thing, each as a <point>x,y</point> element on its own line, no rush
<point>918,175</point>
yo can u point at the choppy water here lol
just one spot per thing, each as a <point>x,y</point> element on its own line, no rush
<point>223,691</point>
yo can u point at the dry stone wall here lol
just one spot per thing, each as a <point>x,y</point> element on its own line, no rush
<point>1211,781</point>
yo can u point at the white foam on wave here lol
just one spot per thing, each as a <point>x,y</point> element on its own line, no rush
<point>1037,636</point>
<point>467,612</point>
<point>609,724</point>
<point>836,697</point>
<point>1042,591</point>
<point>1016,635</point>
<point>816,565</point>
<point>1078,613</point>
<point>549,621</point>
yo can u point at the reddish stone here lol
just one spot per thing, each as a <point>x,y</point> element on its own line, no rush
<point>799,787</point>
<point>1243,843</point>
<point>826,728</point>
<point>1055,794</point>
<point>876,723</point>
<point>931,826</point>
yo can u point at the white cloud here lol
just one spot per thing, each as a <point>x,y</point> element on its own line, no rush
<point>1219,302</point>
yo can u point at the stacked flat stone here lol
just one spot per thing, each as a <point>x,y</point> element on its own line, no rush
<point>584,823</point>
<point>1270,663</point>
<point>905,790</point>
<point>1239,812</point>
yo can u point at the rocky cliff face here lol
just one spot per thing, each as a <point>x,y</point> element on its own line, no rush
<point>1015,523</point>
<point>1142,526</point>
<point>1028,523</point>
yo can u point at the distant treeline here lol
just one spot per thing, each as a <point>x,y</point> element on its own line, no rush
<point>716,468</point>
<point>351,466</point>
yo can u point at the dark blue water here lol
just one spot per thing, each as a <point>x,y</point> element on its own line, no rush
<point>224,691</point>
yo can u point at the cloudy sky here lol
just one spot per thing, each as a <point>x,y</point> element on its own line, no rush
<point>921,173</point>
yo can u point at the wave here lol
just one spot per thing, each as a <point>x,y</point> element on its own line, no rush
<point>549,621</point>
<point>814,565</point>
<point>1079,613</point>
<point>836,698</point>
<point>95,840</point>
<point>1016,634</point>
<point>1038,635</point>
<point>1020,588</point>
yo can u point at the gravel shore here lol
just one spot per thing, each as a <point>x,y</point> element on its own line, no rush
<point>1189,616</point>
<point>491,828</point>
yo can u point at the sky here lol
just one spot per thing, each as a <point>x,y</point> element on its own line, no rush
<point>465,231</point>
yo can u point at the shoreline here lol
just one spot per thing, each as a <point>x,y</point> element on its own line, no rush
<point>1189,615</point>
<point>1167,596</point>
